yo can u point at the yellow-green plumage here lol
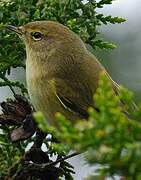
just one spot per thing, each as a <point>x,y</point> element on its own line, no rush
<point>62,75</point>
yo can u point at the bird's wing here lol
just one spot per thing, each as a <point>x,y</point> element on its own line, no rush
<point>116,88</point>
<point>75,97</point>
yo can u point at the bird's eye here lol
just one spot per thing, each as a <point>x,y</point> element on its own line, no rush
<point>36,36</point>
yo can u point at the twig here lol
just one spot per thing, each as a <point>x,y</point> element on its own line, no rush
<point>8,83</point>
<point>47,165</point>
<point>63,158</point>
<point>12,84</point>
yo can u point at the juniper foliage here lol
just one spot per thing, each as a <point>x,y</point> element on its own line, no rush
<point>109,137</point>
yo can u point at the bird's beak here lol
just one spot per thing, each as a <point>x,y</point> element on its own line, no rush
<point>17,30</point>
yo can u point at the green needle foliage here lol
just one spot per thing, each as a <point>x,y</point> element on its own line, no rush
<point>81,17</point>
<point>111,137</point>
<point>10,153</point>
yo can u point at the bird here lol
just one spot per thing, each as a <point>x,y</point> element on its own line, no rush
<point>62,75</point>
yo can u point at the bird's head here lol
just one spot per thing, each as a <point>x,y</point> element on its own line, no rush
<point>47,37</point>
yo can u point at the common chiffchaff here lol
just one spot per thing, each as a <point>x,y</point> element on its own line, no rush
<point>62,75</point>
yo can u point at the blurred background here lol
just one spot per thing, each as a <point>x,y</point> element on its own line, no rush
<point>123,63</point>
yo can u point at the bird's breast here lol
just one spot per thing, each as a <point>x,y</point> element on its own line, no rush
<point>39,89</point>
<point>42,94</point>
